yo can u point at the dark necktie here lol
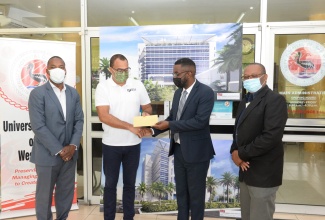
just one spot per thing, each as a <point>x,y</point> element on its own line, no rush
<point>249,97</point>
<point>179,111</point>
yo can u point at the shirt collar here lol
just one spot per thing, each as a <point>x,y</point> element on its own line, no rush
<point>54,86</point>
<point>189,89</point>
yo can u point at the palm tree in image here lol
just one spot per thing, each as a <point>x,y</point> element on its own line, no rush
<point>142,189</point>
<point>236,187</point>
<point>230,57</point>
<point>227,180</point>
<point>158,190</point>
<point>170,188</point>
<point>211,185</point>
<point>104,65</point>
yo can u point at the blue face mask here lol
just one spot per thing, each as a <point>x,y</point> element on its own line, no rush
<point>252,85</point>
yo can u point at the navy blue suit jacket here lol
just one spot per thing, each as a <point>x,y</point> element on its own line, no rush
<point>193,125</point>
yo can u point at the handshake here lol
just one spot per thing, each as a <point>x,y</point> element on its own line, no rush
<point>143,131</point>
<point>140,124</point>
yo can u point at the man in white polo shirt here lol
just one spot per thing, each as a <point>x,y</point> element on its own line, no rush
<point>118,100</point>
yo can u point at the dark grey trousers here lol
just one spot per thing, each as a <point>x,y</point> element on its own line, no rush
<point>62,176</point>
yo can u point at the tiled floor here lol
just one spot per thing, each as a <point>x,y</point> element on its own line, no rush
<point>92,212</point>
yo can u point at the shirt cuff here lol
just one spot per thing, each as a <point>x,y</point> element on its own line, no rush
<point>75,146</point>
<point>152,131</point>
<point>58,153</point>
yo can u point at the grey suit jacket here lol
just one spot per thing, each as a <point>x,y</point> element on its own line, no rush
<point>51,131</point>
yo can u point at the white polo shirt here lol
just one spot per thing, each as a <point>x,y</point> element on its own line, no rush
<point>124,103</point>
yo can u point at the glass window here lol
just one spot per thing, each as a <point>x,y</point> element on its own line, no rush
<point>299,73</point>
<point>295,10</point>
<point>39,14</point>
<point>140,12</point>
<point>303,174</point>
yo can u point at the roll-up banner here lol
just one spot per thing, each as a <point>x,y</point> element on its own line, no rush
<point>22,68</point>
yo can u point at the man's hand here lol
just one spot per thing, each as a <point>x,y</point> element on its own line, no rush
<point>145,114</point>
<point>239,162</point>
<point>162,125</point>
<point>147,132</point>
<point>244,166</point>
<point>67,152</point>
<point>137,131</point>
<point>236,158</point>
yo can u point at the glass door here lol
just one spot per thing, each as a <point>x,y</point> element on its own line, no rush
<point>296,62</point>
<point>94,130</point>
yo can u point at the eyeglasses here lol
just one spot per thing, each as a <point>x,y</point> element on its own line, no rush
<point>122,70</point>
<point>178,74</point>
<point>251,76</point>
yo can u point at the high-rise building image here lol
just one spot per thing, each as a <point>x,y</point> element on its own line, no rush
<point>158,54</point>
<point>155,166</point>
<point>158,167</point>
<point>146,176</point>
<point>160,162</point>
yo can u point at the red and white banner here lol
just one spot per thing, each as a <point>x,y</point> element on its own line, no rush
<point>22,68</point>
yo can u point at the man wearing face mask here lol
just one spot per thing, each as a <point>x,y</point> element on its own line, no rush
<point>190,141</point>
<point>57,120</point>
<point>118,101</point>
<point>257,147</point>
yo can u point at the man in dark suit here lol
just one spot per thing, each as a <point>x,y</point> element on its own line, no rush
<point>57,120</point>
<point>257,144</point>
<point>190,142</point>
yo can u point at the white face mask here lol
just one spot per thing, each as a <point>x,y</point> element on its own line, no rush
<point>57,75</point>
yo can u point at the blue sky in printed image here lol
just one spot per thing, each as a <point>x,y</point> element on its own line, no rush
<point>222,161</point>
<point>125,40</point>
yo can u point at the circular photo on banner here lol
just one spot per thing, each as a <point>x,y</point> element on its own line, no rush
<point>303,62</point>
<point>33,73</point>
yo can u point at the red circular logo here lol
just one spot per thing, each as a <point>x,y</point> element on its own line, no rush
<point>304,63</point>
<point>33,73</point>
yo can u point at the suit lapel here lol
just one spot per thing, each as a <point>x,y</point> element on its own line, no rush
<point>252,105</point>
<point>68,98</point>
<point>54,98</point>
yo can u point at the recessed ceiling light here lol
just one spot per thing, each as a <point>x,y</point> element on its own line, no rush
<point>132,12</point>
<point>39,6</point>
<point>251,8</point>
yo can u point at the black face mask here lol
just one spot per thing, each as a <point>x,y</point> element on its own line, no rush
<point>179,82</point>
